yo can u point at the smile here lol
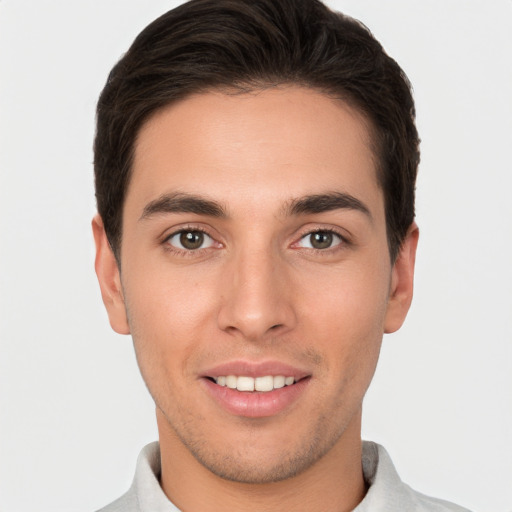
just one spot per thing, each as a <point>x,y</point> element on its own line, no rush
<point>255,389</point>
<point>263,384</point>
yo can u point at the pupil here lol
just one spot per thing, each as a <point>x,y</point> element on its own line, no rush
<point>321,240</point>
<point>191,239</point>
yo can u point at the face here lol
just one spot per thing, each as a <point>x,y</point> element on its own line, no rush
<point>255,277</point>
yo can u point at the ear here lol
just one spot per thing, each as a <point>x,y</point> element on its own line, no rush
<point>109,279</point>
<point>402,279</point>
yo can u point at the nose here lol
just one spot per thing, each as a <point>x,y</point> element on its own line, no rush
<point>257,297</point>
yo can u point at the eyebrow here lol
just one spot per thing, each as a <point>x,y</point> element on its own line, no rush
<point>320,203</point>
<point>179,202</point>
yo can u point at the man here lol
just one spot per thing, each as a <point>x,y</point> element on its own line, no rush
<point>255,169</point>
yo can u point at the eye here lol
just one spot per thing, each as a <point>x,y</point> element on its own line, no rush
<point>190,240</point>
<point>320,240</point>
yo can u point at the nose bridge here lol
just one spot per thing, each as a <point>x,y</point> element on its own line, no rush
<point>256,299</point>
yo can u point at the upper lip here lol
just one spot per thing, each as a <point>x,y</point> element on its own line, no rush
<point>255,369</point>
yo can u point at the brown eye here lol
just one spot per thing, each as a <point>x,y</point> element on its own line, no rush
<point>190,240</point>
<point>320,240</point>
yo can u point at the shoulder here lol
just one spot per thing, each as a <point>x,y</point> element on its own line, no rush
<point>386,490</point>
<point>126,503</point>
<point>425,503</point>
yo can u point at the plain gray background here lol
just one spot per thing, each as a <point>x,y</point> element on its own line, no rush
<point>74,411</point>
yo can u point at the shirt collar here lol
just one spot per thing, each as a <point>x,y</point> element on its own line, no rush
<point>386,492</point>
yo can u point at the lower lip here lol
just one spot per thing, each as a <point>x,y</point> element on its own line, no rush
<point>256,404</point>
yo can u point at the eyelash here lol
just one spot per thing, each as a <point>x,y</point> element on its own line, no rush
<point>187,252</point>
<point>344,242</point>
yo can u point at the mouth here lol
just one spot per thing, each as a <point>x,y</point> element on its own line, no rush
<point>263,384</point>
<point>255,390</point>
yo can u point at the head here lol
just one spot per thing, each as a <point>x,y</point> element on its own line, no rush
<point>255,165</point>
<point>238,46</point>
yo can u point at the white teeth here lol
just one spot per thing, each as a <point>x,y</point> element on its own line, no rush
<point>263,384</point>
<point>231,381</point>
<point>245,384</point>
<point>279,381</point>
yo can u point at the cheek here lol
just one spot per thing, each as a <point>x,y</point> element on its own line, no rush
<point>352,302</point>
<point>345,319</point>
<point>162,299</point>
<point>168,315</point>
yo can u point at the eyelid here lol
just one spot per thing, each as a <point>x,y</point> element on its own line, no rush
<point>165,240</point>
<point>179,233</point>
<point>305,232</point>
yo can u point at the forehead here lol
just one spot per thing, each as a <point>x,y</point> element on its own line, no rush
<point>264,145</point>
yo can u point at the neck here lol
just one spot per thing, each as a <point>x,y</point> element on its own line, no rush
<point>334,483</point>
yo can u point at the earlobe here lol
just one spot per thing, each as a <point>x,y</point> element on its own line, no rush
<point>402,282</point>
<point>109,279</point>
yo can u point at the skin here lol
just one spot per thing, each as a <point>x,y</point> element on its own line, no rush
<point>256,290</point>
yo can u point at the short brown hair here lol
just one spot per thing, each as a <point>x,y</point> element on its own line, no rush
<point>242,45</point>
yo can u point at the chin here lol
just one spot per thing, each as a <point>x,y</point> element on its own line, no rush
<point>258,472</point>
<point>250,464</point>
